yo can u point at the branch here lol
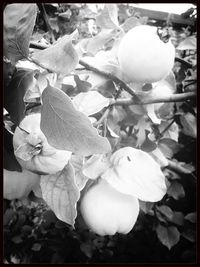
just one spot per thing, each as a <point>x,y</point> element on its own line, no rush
<point>151,100</point>
<point>112,77</point>
<point>187,64</point>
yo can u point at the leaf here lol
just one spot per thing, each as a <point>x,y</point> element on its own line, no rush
<point>189,123</point>
<point>134,172</point>
<point>80,178</point>
<point>176,190</point>
<point>159,157</point>
<point>95,166</point>
<point>108,19</point>
<point>90,102</point>
<point>14,94</point>
<point>172,132</point>
<point>142,126</point>
<point>191,217</point>
<point>61,194</point>
<point>168,147</point>
<point>190,43</point>
<point>82,86</point>
<point>165,211</point>
<point>130,23</point>
<point>93,45</point>
<point>68,129</point>
<point>190,235</point>
<point>36,247</point>
<point>178,218</point>
<point>168,236</point>
<point>60,58</point>
<point>19,20</point>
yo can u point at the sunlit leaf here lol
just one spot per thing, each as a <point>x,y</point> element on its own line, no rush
<point>61,194</point>
<point>189,43</point>
<point>90,102</point>
<point>189,123</point>
<point>67,128</point>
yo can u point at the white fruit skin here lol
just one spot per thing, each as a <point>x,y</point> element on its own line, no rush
<point>143,57</point>
<point>107,211</point>
<point>56,162</point>
<point>15,185</point>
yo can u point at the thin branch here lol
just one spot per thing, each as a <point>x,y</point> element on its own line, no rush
<point>182,61</point>
<point>110,76</point>
<point>151,100</point>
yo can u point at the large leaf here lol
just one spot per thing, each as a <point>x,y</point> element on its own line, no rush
<point>168,236</point>
<point>135,172</point>
<point>22,81</point>
<point>90,102</point>
<point>108,19</point>
<point>19,20</point>
<point>67,128</point>
<point>60,57</point>
<point>61,194</point>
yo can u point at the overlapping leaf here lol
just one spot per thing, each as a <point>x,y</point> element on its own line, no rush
<point>108,19</point>
<point>60,57</point>
<point>19,20</point>
<point>67,128</point>
<point>61,194</point>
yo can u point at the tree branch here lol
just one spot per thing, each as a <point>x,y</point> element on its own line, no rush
<point>151,100</point>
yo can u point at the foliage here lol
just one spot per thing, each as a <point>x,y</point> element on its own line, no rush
<point>61,60</point>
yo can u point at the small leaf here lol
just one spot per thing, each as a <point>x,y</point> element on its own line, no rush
<point>159,157</point>
<point>66,128</point>
<point>176,190</point>
<point>189,43</point>
<point>90,103</point>
<point>108,19</point>
<point>189,123</point>
<point>191,217</point>
<point>178,218</point>
<point>129,174</point>
<point>60,57</point>
<point>19,20</point>
<point>61,194</point>
<point>168,236</point>
<point>166,211</point>
<point>17,239</point>
<point>142,126</point>
<point>190,235</point>
<point>82,86</point>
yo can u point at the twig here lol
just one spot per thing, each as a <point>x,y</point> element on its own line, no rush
<point>187,64</point>
<point>151,100</point>
<point>110,76</point>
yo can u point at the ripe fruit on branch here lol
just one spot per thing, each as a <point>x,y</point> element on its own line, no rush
<point>107,211</point>
<point>32,150</point>
<point>18,184</point>
<point>143,56</point>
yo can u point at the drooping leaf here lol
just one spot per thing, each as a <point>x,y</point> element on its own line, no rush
<point>142,127</point>
<point>67,128</point>
<point>60,57</point>
<point>189,43</point>
<point>176,190</point>
<point>14,94</point>
<point>82,86</point>
<point>19,20</point>
<point>61,194</point>
<point>108,19</point>
<point>189,124</point>
<point>130,173</point>
<point>90,102</point>
<point>168,236</point>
